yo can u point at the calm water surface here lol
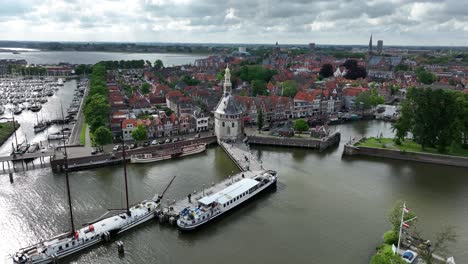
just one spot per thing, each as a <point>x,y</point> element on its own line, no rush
<point>92,57</point>
<point>27,119</point>
<point>325,210</point>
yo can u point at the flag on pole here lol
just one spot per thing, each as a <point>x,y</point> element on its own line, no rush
<point>406,209</point>
<point>405,225</point>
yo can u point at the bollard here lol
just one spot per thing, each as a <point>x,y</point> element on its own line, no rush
<point>120,247</point>
<point>11,177</point>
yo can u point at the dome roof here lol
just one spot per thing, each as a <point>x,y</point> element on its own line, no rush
<point>228,106</point>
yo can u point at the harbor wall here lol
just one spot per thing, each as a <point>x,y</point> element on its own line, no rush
<point>406,155</point>
<point>320,144</point>
<point>100,160</point>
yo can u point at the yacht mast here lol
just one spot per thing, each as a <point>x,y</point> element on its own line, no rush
<point>124,160</point>
<point>66,176</point>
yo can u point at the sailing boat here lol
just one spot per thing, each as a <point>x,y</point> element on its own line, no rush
<point>39,126</point>
<point>102,229</point>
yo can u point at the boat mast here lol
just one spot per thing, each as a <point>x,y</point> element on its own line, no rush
<point>66,176</point>
<point>124,160</point>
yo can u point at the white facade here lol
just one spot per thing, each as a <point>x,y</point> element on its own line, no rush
<point>228,114</point>
<point>202,123</point>
<point>127,131</point>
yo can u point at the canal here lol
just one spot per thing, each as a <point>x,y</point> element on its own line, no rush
<point>325,210</point>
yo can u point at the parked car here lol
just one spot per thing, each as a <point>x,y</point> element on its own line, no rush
<point>161,141</point>
<point>197,135</point>
<point>146,144</point>
<point>409,256</point>
<point>133,146</point>
<point>125,146</point>
<point>94,151</point>
<point>168,140</point>
<point>154,142</point>
<point>117,147</point>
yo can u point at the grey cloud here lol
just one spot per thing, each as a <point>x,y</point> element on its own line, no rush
<point>260,20</point>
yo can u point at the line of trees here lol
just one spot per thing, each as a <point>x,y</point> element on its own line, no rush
<point>97,108</point>
<point>122,64</point>
<point>436,119</point>
<point>23,70</point>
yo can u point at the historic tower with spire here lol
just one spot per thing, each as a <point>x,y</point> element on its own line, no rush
<point>228,114</point>
<point>370,44</point>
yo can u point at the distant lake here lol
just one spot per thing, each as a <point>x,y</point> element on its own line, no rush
<point>85,57</point>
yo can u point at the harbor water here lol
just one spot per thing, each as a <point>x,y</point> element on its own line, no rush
<point>92,57</point>
<point>325,210</point>
<point>27,119</point>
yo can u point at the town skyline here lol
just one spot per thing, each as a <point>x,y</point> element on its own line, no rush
<point>422,23</point>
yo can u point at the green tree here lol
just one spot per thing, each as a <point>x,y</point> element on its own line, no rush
<point>424,76</point>
<point>250,73</point>
<point>394,216</point>
<point>326,70</point>
<point>96,105</point>
<point>260,119</point>
<point>96,122</point>
<point>158,65</point>
<point>368,99</point>
<point>289,88</point>
<point>439,245</point>
<point>434,118</point>
<point>140,133</point>
<point>190,80</point>
<point>145,88</point>
<point>259,87</point>
<point>102,136</point>
<point>390,237</point>
<point>386,256</point>
<point>401,67</point>
<point>301,125</point>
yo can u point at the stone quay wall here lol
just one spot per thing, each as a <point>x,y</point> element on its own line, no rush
<point>100,160</point>
<point>320,144</point>
<point>406,155</point>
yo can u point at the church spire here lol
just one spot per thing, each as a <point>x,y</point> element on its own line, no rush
<point>227,81</point>
<point>370,44</point>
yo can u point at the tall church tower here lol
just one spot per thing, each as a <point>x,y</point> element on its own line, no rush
<point>370,44</point>
<point>228,114</point>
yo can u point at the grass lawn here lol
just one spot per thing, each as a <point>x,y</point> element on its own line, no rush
<point>408,145</point>
<point>83,134</point>
<point>6,129</point>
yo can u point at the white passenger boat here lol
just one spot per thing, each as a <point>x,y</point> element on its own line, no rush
<point>184,151</point>
<point>102,229</point>
<point>215,205</point>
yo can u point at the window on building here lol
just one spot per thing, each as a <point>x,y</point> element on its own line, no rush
<point>223,124</point>
<point>232,124</point>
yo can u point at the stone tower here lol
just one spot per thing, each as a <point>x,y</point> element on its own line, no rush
<point>228,114</point>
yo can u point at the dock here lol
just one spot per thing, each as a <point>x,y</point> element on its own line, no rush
<point>240,154</point>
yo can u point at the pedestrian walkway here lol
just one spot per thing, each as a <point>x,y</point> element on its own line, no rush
<point>242,156</point>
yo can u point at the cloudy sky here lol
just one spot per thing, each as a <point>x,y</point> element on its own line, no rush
<point>397,22</point>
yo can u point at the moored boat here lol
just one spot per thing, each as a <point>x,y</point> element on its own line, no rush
<point>41,126</point>
<point>215,205</point>
<point>101,229</point>
<point>184,151</point>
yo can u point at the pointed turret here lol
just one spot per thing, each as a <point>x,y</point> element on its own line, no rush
<point>227,82</point>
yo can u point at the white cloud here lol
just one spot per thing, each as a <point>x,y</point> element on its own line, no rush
<point>402,22</point>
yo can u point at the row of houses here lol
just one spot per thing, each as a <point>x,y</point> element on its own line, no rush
<point>159,125</point>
